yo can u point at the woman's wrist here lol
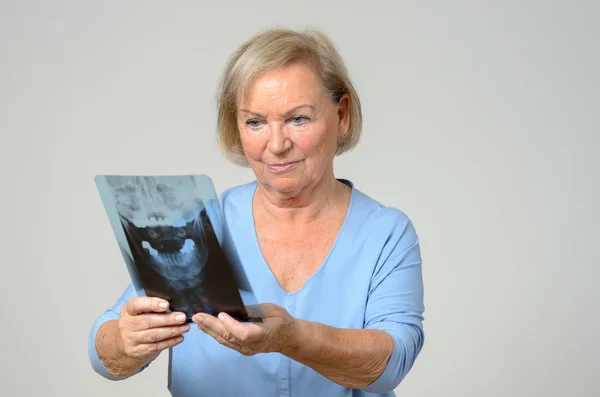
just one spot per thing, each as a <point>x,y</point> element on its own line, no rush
<point>294,335</point>
<point>110,350</point>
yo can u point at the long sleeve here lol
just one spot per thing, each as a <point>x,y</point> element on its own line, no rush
<point>110,314</point>
<point>395,303</point>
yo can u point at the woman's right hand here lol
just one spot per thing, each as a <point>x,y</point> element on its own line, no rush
<point>146,329</point>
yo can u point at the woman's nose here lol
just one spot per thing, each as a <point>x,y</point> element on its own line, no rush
<point>278,139</point>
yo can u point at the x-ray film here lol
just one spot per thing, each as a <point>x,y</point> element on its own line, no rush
<point>172,235</point>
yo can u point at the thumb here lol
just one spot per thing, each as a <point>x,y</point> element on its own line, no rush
<point>270,309</point>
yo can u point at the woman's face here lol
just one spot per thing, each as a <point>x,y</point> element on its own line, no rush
<point>289,128</point>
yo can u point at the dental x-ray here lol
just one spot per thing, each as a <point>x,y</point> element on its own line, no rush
<point>175,244</point>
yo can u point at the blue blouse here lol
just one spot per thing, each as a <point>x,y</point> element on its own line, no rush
<point>372,278</point>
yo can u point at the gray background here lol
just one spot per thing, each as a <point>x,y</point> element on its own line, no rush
<point>481,123</point>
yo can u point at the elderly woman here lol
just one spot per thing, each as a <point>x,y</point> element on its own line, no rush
<point>339,273</point>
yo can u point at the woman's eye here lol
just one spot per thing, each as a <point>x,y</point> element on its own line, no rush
<point>253,123</point>
<point>299,119</point>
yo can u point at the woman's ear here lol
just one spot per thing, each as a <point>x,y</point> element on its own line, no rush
<point>343,112</point>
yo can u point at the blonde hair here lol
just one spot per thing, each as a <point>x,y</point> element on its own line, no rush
<point>276,48</point>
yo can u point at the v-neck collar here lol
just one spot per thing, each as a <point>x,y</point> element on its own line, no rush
<point>253,238</point>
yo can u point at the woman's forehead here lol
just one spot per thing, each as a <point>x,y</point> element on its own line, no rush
<point>293,76</point>
<point>283,88</point>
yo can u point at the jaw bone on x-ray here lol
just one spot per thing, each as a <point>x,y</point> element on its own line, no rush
<point>168,228</point>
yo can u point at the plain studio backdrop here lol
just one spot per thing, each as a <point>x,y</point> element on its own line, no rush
<point>480,122</point>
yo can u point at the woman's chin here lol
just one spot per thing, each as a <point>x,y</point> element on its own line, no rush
<point>284,185</point>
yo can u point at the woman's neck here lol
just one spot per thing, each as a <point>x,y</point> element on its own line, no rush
<point>302,207</point>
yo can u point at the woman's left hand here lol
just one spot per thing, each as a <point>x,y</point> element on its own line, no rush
<point>278,331</point>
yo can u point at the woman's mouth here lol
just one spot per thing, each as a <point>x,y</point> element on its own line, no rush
<point>282,167</point>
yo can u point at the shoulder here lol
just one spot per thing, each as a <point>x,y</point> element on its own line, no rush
<point>381,219</point>
<point>234,204</point>
<point>237,195</point>
<point>390,235</point>
<point>385,231</point>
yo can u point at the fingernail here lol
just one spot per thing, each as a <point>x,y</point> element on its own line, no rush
<point>221,316</point>
<point>163,305</point>
<point>184,328</point>
<point>180,317</point>
<point>199,319</point>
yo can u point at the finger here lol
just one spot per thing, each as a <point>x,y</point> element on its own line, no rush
<point>157,320</point>
<point>156,335</point>
<point>210,322</point>
<point>267,308</point>
<point>271,310</point>
<point>215,327</point>
<point>240,331</point>
<point>145,304</point>
<point>162,345</point>
<point>217,337</point>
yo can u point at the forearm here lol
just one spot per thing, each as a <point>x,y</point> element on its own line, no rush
<point>353,358</point>
<point>109,348</point>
